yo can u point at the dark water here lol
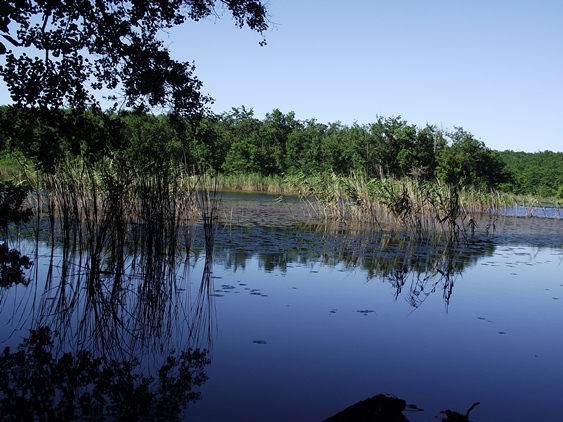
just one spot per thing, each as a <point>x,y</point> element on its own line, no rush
<point>317,338</point>
<point>301,321</point>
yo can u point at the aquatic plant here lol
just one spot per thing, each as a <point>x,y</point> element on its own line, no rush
<point>124,233</point>
<point>410,205</point>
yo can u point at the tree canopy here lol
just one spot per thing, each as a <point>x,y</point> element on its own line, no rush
<point>59,53</point>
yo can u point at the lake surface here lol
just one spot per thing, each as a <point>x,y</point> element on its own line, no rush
<point>302,321</point>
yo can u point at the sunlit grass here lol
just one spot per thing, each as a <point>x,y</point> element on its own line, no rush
<point>410,205</point>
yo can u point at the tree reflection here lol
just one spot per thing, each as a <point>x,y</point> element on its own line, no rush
<point>12,212</point>
<point>415,267</point>
<point>112,329</point>
<point>37,383</point>
<point>423,266</point>
<point>12,266</point>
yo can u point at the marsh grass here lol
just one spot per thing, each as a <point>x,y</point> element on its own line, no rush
<point>252,182</point>
<point>409,205</point>
<point>124,234</point>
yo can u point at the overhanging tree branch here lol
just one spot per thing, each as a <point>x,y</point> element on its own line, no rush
<point>93,45</point>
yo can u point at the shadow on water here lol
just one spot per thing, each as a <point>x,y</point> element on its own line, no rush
<point>12,267</point>
<point>12,212</point>
<point>38,383</point>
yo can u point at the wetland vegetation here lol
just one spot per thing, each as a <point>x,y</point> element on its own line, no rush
<point>115,237</point>
<point>137,282</point>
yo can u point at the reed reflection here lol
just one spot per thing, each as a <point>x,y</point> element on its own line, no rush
<point>121,286</point>
<point>203,324</point>
<point>413,266</point>
<point>112,329</point>
<point>115,305</point>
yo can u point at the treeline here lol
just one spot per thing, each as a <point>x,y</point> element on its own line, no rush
<point>539,173</point>
<point>238,143</point>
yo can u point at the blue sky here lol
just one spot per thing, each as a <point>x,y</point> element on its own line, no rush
<point>493,67</point>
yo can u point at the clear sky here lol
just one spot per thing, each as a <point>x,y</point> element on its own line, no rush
<point>493,67</point>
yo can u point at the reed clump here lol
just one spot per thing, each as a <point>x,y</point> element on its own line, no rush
<point>91,196</point>
<point>251,182</point>
<point>124,233</point>
<point>410,205</point>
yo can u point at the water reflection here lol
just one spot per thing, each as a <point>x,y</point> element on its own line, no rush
<point>37,383</point>
<point>133,303</point>
<point>12,266</point>
<point>423,266</point>
<point>111,328</point>
<point>117,300</point>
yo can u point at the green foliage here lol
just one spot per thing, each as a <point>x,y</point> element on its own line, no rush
<point>87,46</point>
<point>14,165</point>
<point>151,142</point>
<point>255,146</point>
<point>468,162</point>
<point>394,141</point>
<point>205,148</point>
<point>242,132</point>
<point>539,173</point>
<point>238,143</point>
<point>304,146</point>
<point>49,135</point>
<point>282,145</point>
<point>12,197</point>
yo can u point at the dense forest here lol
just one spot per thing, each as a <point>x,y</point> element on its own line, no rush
<point>239,143</point>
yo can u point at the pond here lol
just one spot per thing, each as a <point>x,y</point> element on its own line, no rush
<point>301,321</point>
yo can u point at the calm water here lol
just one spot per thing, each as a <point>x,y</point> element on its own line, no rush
<point>302,323</point>
<point>321,337</point>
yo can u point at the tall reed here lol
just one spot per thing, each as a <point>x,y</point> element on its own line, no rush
<point>123,232</point>
<point>410,205</point>
<point>252,182</point>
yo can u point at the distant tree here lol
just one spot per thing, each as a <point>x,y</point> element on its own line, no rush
<point>467,161</point>
<point>205,146</point>
<point>58,53</point>
<point>274,134</point>
<point>361,146</point>
<point>538,173</point>
<point>427,145</point>
<point>304,147</point>
<point>241,131</point>
<point>393,146</point>
<point>336,149</point>
<point>151,142</point>
<point>47,135</point>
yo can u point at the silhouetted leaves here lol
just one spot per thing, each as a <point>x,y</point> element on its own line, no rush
<point>86,46</point>
<point>37,384</point>
<point>12,265</point>
<point>12,196</point>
